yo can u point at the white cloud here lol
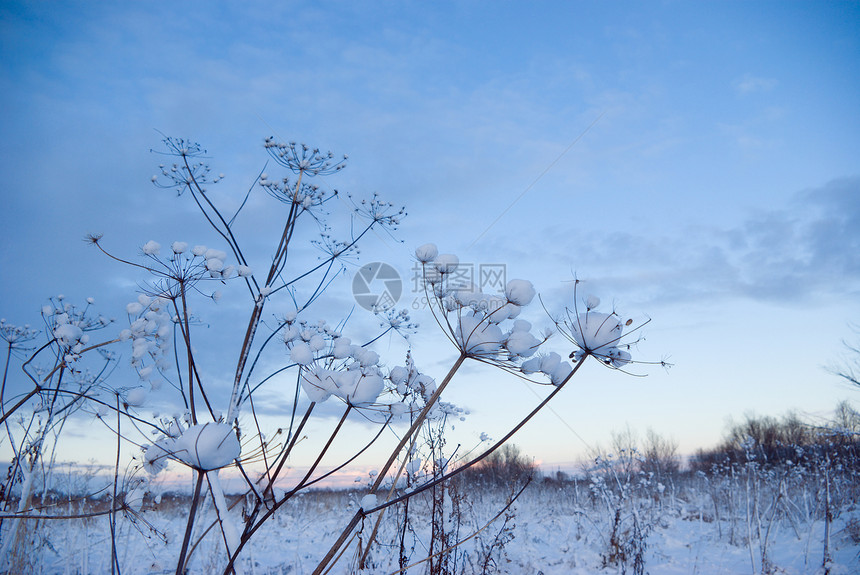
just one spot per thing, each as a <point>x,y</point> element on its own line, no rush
<point>806,251</point>
<point>748,84</point>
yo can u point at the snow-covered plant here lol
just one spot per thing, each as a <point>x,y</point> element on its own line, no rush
<point>204,433</point>
<point>481,326</point>
<point>65,375</point>
<point>325,362</point>
<point>176,413</point>
<point>599,334</point>
<point>629,497</point>
<point>485,328</point>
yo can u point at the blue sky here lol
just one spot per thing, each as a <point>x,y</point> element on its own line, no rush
<point>693,162</point>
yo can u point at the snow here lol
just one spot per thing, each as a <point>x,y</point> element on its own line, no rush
<point>68,334</point>
<point>478,337</point>
<point>594,331</point>
<point>368,501</point>
<point>366,390</point>
<point>205,447</point>
<point>302,354</point>
<point>316,342</point>
<point>619,357</point>
<point>561,371</point>
<point>291,333</point>
<point>398,374</point>
<point>549,362</point>
<point>532,365</point>
<point>151,248</point>
<point>499,313</point>
<point>599,334</point>
<point>446,263</point>
<point>558,529</point>
<point>358,388</point>
<point>209,446</point>
<point>426,253</point>
<point>366,357</point>
<point>522,344</point>
<point>315,385</point>
<point>342,348</point>
<point>520,292</point>
<point>214,264</point>
<point>213,254</point>
<point>398,409</point>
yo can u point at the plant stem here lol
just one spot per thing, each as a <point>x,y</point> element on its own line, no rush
<point>180,565</point>
<point>406,437</point>
<point>251,529</point>
<point>484,455</point>
<point>114,560</point>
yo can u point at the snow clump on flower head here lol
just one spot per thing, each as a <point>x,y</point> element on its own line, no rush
<point>593,331</point>
<point>368,502</point>
<point>302,354</point>
<point>478,337</point>
<point>426,253</point>
<point>68,334</point>
<point>360,387</point>
<point>550,365</point>
<point>151,248</point>
<point>135,397</point>
<point>520,292</point>
<point>446,263</point>
<point>474,318</point>
<point>205,447</point>
<point>596,333</point>
<point>520,342</point>
<point>349,372</point>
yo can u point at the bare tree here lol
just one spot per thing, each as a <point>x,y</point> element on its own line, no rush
<point>660,455</point>
<point>849,369</point>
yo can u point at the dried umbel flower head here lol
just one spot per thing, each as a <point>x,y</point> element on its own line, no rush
<point>203,447</point>
<point>16,336</point>
<point>183,268</point>
<point>598,334</point>
<point>379,212</point>
<point>475,322</point>
<point>185,173</point>
<point>301,159</point>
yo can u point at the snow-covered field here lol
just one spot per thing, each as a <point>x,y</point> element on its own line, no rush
<point>604,523</point>
<point>779,497</point>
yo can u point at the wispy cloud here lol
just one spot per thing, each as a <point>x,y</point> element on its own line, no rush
<point>748,84</point>
<point>805,251</point>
